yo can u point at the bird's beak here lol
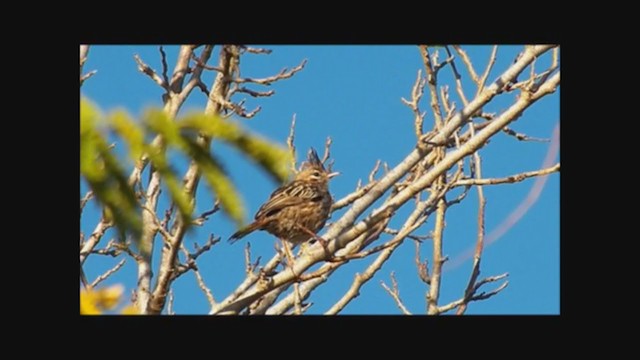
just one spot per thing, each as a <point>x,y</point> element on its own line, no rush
<point>333,174</point>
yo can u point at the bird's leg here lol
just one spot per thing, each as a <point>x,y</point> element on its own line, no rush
<point>322,241</point>
<point>289,257</point>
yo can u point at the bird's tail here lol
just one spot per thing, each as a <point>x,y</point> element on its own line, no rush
<point>244,232</point>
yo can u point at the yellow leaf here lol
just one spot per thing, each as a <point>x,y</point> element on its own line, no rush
<point>93,302</point>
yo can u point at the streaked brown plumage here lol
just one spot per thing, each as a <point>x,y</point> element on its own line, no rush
<point>303,204</point>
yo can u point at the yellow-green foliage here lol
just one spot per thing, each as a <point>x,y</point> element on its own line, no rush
<point>107,178</point>
<point>96,302</point>
<point>104,174</point>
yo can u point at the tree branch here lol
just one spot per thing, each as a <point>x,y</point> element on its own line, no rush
<point>509,179</point>
<point>477,256</point>
<point>109,272</point>
<point>395,294</point>
<point>316,253</point>
<point>284,74</point>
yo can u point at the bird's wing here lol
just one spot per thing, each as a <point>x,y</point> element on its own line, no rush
<point>293,194</point>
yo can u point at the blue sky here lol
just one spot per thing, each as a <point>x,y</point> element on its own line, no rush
<point>352,93</point>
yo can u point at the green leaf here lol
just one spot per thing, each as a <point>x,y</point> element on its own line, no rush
<point>220,184</point>
<point>160,123</point>
<point>271,157</point>
<point>104,174</point>
<point>157,156</point>
<point>132,133</point>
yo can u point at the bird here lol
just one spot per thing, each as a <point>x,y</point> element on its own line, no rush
<point>295,211</point>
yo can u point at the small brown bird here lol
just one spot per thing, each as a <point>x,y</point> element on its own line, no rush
<point>297,209</point>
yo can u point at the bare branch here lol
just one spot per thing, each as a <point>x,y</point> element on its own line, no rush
<point>415,220</point>
<point>509,179</point>
<point>482,296</point>
<point>180,71</point>
<point>84,52</point>
<point>438,260</point>
<point>522,207</point>
<point>522,137</point>
<point>192,257</point>
<point>327,150</point>
<point>485,75</point>
<point>395,294</point>
<point>182,68</point>
<point>203,65</point>
<point>458,79</point>
<point>147,70</point>
<point>477,256</point>
<point>416,95</point>
<point>467,62</point>
<point>284,74</point>
<point>87,76</point>
<point>205,215</point>
<point>349,199</point>
<point>298,302</point>
<point>254,93</point>
<point>204,288</point>
<point>361,191</point>
<point>170,304</point>
<point>228,62</point>
<point>344,231</point>
<point>165,67</point>
<point>292,147</point>
<point>94,238</point>
<point>432,81</point>
<point>253,50</point>
<point>88,196</point>
<point>373,172</point>
<point>109,272</point>
<point>250,267</point>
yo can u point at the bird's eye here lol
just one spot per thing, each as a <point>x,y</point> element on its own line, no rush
<point>316,174</point>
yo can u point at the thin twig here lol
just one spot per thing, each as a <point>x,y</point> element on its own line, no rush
<point>458,79</point>
<point>84,52</point>
<point>86,76</point>
<point>88,196</point>
<point>253,93</point>
<point>109,272</point>
<point>170,304</point>
<point>284,74</point>
<point>433,82</point>
<point>487,70</point>
<point>467,61</point>
<point>350,198</point>
<point>165,67</point>
<point>204,288</point>
<point>395,293</point>
<point>94,238</point>
<point>205,215</point>
<point>416,94</point>
<point>482,296</point>
<point>290,144</point>
<point>192,257</point>
<point>509,179</point>
<point>477,256</point>
<point>327,150</point>
<point>147,70</point>
<point>201,64</point>
<point>253,50</point>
